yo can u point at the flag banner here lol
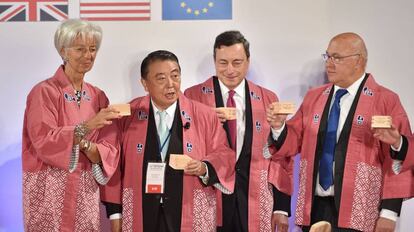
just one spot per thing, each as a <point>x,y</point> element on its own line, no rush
<point>33,10</point>
<point>115,10</point>
<point>196,9</point>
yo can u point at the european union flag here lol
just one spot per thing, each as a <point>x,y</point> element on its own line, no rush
<point>196,9</point>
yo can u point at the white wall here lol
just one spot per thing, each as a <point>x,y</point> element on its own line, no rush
<point>287,38</point>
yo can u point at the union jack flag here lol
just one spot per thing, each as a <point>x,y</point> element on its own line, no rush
<point>33,10</point>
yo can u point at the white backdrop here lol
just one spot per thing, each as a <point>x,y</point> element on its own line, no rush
<point>287,38</point>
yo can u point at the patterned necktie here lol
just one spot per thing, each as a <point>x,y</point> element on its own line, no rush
<point>232,123</point>
<point>326,162</point>
<point>163,132</point>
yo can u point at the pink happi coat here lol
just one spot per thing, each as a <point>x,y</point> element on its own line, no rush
<point>55,199</point>
<point>204,140</point>
<point>367,178</point>
<point>263,171</point>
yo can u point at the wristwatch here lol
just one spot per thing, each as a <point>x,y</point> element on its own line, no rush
<point>85,145</point>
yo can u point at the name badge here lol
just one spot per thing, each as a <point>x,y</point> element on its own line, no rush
<point>155,178</point>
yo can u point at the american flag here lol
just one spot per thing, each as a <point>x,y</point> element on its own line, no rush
<point>33,10</point>
<point>115,10</point>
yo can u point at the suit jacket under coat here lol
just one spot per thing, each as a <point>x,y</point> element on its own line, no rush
<point>366,177</point>
<point>262,171</point>
<point>203,140</point>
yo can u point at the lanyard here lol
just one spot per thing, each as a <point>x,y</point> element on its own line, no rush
<point>161,147</point>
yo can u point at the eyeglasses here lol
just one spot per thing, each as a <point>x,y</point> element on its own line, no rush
<point>336,59</point>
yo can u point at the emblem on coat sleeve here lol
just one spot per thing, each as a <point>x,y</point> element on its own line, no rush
<point>206,90</point>
<point>186,116</point>
<point>367,91</point>
<point>316,118</point>
<point>139,147</point>
<point>258,126</point>
<point>142,115</point>
<point>189,147</point>
<point>360,120</point>
<point>85,96</point>
<point>68,97</point>
<point>254,96</point>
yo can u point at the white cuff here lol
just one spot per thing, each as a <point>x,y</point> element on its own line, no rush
<point>399,146</point>
<point>204,178</point>
<point>276,132</point>
<point>115,216</point>
<point>281,212</point>
<point>388,214</point>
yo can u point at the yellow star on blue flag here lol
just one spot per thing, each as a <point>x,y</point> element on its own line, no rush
<point>196,9</point>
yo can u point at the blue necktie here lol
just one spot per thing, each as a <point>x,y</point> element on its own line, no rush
<point>163,133</point>
<point>326,162</point>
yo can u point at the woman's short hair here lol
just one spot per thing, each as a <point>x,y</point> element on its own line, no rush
<point>71,29</point>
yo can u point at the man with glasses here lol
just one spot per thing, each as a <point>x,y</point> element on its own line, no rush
<point>251,206</point>
<point>344,174</point>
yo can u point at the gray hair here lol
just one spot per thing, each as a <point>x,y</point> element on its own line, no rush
<point>70,29</point>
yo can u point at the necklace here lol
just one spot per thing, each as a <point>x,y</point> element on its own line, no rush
<point>78,95</point>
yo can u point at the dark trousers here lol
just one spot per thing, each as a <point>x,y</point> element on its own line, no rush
<point>162,225</point>
<point>324,209</point>
<point>232,223</point>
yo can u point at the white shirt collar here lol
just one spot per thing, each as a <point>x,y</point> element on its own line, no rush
<point>240,89</point>
<point>352,89</point>
<point>170,110</point>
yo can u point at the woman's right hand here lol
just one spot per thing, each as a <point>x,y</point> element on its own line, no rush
<point>103,118</point>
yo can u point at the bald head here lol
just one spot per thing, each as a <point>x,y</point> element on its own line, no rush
<point>349,59</point>
<point>354,41</point>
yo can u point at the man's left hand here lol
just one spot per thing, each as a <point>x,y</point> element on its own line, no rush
<point>280,222</point>
<point>275,120</point>
<point>385,225</point>
<point>390,136</point>
<point>195,168</point>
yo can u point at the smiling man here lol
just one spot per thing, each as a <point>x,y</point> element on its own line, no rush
<point>344,177</point>
<point>155,196</point>
<point>251,207</point>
